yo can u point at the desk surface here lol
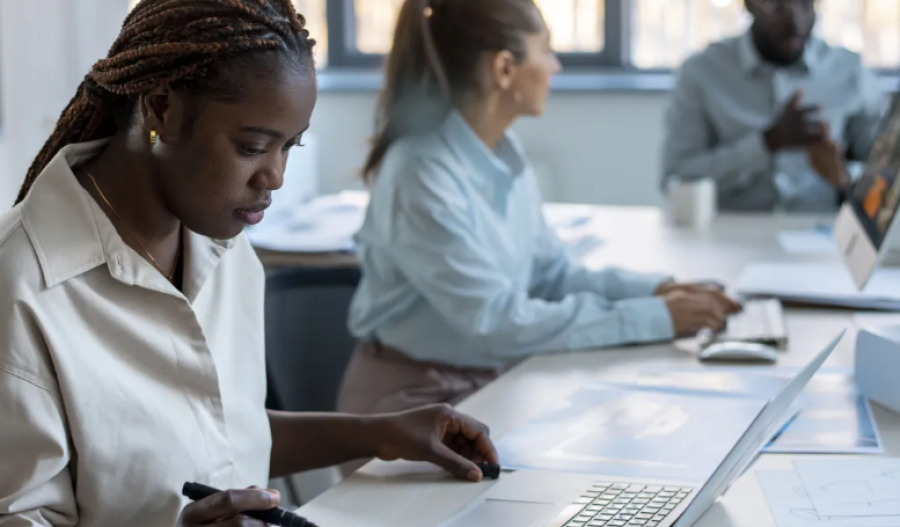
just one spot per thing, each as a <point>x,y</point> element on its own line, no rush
<point>639,239</point>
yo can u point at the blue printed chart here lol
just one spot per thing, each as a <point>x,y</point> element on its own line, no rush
<point>628,431</point>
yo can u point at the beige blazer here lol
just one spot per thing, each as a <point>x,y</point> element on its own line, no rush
<point>116,388</point>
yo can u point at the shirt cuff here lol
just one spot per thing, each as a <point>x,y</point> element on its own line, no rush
<point>646,320</point>
<point>638,285</point>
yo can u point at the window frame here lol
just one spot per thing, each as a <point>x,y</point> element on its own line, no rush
<point>610,69</point>
<point>344,55</point>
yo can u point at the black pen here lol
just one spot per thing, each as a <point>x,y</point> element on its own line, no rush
<point>278,516</point>
<point>489,470</point>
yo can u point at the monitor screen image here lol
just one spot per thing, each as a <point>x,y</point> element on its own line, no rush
<point>875,196</point>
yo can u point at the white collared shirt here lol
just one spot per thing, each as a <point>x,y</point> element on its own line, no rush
<point>116,388</point>
<point>727,95</point>
<point>459,266</point>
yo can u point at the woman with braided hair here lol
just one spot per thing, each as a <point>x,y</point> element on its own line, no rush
<point>131,304</point>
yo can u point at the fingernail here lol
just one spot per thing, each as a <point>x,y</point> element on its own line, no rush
<point>266,497</point>
<point>475,475</point>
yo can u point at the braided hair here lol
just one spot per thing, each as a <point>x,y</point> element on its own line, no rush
<point>196,46</point>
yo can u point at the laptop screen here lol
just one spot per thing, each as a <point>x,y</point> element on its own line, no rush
<point>763,428</point>
<point>876,196</point>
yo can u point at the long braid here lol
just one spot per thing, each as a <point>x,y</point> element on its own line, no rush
<point>164,42</point>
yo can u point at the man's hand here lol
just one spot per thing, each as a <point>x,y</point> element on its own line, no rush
<point>827,160</point>
<point>436,434</point>
<point>794,128</point>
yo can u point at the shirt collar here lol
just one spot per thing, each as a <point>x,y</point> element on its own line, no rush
<point>71,234</point>
<point>751,62</point>
<point>492,171</point>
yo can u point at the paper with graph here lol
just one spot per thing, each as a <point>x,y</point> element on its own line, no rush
<point>791,506</point>
<point>853,487</point>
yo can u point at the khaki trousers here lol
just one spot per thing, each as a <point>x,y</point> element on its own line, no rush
<point>383,380</point>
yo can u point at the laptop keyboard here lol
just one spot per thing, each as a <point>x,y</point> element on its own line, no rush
<point>622,505</point>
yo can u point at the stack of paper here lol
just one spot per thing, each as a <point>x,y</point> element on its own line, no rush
<point>837,493</point>
<point>572,223</point>
<point>820,284</point>
<point>807,242</point>
<point>329,223</point>
<point>325,224</point>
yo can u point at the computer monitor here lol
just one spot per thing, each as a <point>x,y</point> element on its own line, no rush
<point>865,225</point>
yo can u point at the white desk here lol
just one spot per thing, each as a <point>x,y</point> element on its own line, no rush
<point>638,239</point>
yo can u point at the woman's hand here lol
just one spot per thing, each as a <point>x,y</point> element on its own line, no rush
<point>436,434</point>
<point>225,508</point>
<point>715,292</point>
<point>695,306</point>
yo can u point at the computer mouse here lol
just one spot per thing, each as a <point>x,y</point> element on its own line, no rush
<point>739,352</point>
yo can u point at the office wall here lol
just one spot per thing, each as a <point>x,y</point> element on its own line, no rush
<point>589,147</point>
<point>46,47</point>
<point>33,61</point>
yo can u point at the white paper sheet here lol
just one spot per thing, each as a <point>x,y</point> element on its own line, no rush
<point>820,283</point>
<point>566,215</point>
<point>326,224</point>
<point>853,487</point>
<point>628,431</point>
<point>791,507</point>
<point>403,468</point>
<point>868,320</point>
<point>806,242</point>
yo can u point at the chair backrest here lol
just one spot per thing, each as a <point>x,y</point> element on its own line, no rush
<point>308,345</point>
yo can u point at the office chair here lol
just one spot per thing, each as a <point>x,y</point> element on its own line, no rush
<point>308,347</point>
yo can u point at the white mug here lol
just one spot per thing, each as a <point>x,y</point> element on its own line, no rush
<point>692,203</point>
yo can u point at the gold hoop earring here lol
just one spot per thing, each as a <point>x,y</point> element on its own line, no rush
<point>153,137</point>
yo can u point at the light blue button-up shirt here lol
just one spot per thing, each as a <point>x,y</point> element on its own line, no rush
<point>459,266</point>
<point>727,96</point>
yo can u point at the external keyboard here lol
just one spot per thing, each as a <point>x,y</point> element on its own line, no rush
<point>622,505</point>
<point>761,321</point>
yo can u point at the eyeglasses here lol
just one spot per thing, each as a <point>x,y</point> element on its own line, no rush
<point>786,7</point>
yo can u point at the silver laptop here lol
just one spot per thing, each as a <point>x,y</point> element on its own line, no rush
<point>531,498</point>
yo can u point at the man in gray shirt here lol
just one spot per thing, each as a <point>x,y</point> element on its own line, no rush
<point>773,115</point>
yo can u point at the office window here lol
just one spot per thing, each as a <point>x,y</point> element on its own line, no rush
<point>576,25</point>
<point>665,32</point>
<point>870,27</point>
<point>641,34</point>
<point>317,24</point>
<point>375,21</point>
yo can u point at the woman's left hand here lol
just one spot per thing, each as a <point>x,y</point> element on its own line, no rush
<point>437,434</point>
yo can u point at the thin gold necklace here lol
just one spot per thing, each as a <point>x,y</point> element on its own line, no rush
<point>137,240</point>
